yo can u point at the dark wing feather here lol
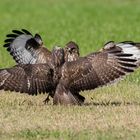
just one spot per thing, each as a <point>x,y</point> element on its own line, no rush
<point>26,32</point>
<point>25,48</point>
<point>17,32</point>
<point>96,70</point>
<point>31,79</point>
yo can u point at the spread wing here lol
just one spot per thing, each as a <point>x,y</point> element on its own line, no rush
<point>30,78</point>
<point>97,69</point>
<point>25,48</point>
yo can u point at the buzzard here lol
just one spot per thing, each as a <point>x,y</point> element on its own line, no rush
<point>97,69</point>
<point>66,79</point>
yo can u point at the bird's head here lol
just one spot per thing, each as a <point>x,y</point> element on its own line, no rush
<point>58,56</point>
<point>71,51</point>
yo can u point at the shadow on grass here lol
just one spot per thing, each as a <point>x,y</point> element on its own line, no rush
<point>111,103</point>
<point>92,103</point>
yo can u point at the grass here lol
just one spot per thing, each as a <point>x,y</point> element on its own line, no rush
<point>111,112</point>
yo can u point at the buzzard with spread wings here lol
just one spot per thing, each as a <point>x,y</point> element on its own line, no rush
<point>97,69</point>
<point>67,79</point>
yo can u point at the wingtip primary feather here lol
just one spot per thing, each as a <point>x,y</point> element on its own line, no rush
<point>26,31</point>
<point>17,32</point>
<point>9,40</point>
<point>12,35</point>
<point>6,45</point>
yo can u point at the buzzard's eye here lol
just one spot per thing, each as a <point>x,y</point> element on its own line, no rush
<point>70,49</point>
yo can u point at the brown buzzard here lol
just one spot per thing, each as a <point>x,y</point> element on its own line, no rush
<point>67,79</point>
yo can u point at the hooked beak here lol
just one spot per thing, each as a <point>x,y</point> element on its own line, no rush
<point>70,50</point>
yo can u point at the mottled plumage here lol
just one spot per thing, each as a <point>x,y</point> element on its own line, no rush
<point>107,66</point>
<point>33,78</point>
<point>71,51</point>
<point>68,74</point>
<point>27,49</point>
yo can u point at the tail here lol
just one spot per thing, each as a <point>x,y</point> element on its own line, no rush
<point>64,96</point>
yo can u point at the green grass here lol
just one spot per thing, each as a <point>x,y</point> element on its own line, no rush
<point>111,112</point>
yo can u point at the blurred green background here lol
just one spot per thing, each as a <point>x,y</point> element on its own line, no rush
<point>91,23</point>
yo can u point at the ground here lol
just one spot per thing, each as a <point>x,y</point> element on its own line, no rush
<point>111,112</point>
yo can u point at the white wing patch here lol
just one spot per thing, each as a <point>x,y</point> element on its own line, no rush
<point>130,49</point>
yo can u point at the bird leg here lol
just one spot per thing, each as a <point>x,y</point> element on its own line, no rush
<point>48,99</point>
